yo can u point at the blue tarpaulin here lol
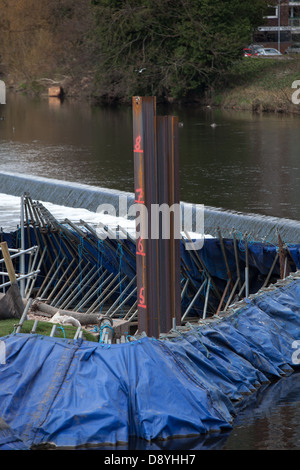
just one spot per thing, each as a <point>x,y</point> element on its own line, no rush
<point>75,392</point>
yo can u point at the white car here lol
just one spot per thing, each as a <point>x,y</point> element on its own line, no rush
<point>268,51</point>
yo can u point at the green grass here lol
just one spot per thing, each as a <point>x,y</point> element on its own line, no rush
<point>7,327</point>
<point>263,71</point>
<point>261,83</point>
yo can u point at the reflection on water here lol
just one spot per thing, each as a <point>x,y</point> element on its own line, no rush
<point>71,142</point>
<point>269,419</point>
<point>247,162</point>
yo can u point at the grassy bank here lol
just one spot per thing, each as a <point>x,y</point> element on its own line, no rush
<point>7,327</point>
<point>261,85</point>
<point>255,84</point>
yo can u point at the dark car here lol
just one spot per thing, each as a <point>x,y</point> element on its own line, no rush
<point>293,49</point>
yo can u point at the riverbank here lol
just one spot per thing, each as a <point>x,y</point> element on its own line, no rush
<point>261,85</point>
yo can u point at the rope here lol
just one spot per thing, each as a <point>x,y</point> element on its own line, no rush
<point>105,325</point>
<point>61,328</point>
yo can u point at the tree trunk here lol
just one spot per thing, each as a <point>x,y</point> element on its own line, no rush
<point>40,308</point>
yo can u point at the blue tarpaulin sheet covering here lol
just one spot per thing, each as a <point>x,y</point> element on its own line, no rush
<point>74,392</point>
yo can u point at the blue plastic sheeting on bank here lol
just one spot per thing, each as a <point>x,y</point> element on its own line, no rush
<point>8,439</point>
<point>70,394</point>
<point>74,392</point>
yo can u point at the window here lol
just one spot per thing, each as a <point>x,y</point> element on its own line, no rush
<point>272,12</point>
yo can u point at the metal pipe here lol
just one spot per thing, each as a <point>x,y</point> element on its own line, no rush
<point>238,274</point>
<point>53,331</point>
<point>90,295</point>
<point>241,290</point>
<point>19,252</point>
<point>31,265</point>
<point>133,315</point>
<point>184,289</point>
<point>60,280</point>
<point>247,266</point>
<point>22,258</point>
<point>52,278</point>
<point>76,336</point>
<point>123,302</point>
<point>61,295</point>
<point>24,315</point>
<point>225,256</point>
<point>203,267</point>
<point>206,299</point>
<point>47,275</point>
<point>232,293</point>
<point>271,270</point>
<point>34,273</point>
<point>93,306</point>
<point>130,310</point>
<point>72,297</point>
<point>247,281</point>
<point>28,293</point>
<point>121,295</point>
<point>193,300</point>
<point>34,327</point>
<point>223,296</point>
<point>111,237</point>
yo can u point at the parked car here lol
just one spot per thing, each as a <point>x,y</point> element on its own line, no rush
<point>256,46</point>
<point>251,50</point>
<point>268,51</point>
<point>293,49</point>
<point>248,52</point>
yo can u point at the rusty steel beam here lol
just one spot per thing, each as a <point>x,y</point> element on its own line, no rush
<point>155,147</point>
<point>144,111</point>
<point>168,195</point>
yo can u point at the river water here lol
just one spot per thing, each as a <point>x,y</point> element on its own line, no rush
<point>247,162</point>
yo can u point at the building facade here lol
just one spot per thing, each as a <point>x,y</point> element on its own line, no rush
<point>282,26</point>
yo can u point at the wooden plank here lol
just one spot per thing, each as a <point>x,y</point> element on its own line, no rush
<point>8,262</point>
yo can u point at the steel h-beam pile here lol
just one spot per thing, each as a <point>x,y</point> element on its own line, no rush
<point>155,146</point>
